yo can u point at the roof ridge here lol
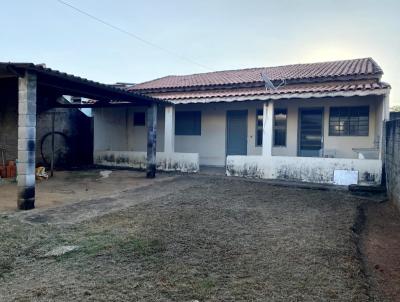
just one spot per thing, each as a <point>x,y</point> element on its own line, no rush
<point>375,65</point>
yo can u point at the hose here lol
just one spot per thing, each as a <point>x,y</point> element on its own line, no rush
<point>43,140</point>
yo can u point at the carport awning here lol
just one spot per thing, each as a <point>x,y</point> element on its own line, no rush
<point>52,84</point>
<point>35,88</point>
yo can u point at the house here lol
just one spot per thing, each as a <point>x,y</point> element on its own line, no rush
<point>319,122</point>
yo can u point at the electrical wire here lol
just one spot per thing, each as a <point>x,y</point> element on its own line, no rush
<point>132,35</point>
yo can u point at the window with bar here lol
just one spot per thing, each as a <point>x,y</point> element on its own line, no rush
<point>259,127</point>
<point>280,125</point>
<point>349,121</point>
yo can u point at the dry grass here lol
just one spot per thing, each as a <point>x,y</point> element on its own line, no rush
<point>218,239</point>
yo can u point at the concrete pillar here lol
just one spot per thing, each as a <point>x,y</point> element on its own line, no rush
<point>151,140</point>
<point>386,106</point>
<point>169,131</point>
<point>385,118</point>
<point>268,120</point>
<point>26,141</point>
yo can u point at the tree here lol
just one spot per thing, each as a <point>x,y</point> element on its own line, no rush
<point>395,108</point>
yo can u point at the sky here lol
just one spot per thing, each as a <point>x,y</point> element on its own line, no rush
<point>209,34</point>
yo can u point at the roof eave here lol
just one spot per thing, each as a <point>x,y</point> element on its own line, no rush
<point>19,69</point>
<point>307,95</point>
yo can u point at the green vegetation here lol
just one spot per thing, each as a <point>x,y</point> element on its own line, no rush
<point>395,108</point>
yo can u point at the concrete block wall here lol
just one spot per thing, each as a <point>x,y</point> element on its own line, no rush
<point>392,160</point>
<point>74,146</point>
<point>9,119</point>
<point>76,126</point>
<point>71,122</point>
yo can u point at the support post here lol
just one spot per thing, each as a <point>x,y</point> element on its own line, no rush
<point>268,119</point>
<point>385,118</point>
<point>26,141</point>
<point>169,131</point>
<point>53,116</point>
<point>151,140</point>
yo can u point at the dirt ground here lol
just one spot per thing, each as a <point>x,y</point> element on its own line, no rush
<point>381,247</point>
<point>72,186</point>
<point>186,238</point>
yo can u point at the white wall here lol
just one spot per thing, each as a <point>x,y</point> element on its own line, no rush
<point>184,162</point>
<point>114,130</point>
<point>342,145</point>
<point>307,169</point>
<point>110,129</point>
<point>211,145</point>
<point>137,135</point>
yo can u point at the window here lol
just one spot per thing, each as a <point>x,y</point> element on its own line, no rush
<point>187,123</point>
<point>139,119</point>
<point>349,121</point>
<point>259,127</point>
<point>280,117</point>
<point>280,122</point>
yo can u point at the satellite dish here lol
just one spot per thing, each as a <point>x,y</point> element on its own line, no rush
<point>269,84</point>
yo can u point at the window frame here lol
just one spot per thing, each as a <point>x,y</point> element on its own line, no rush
<point>347,117</point>
<point>196,116</point>
<point>276,128</point>
<point>259,112</point>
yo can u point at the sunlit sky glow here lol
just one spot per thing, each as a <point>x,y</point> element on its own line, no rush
<point>221,34</point>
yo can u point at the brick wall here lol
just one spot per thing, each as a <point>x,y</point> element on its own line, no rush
<point>392,160</point>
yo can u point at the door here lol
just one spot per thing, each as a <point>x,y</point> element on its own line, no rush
<point>236,143</point>
<point>311,132</point>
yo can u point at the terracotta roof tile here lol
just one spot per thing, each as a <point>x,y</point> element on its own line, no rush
<point>207,95</point>
<point>325,71</point>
